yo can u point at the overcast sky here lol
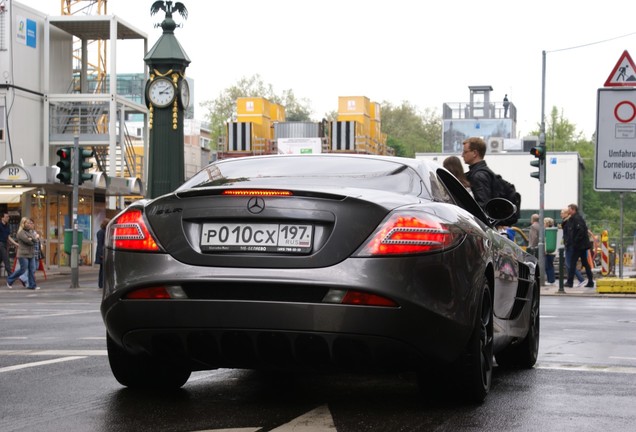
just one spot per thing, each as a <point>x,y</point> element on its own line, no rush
<point>427,53</point>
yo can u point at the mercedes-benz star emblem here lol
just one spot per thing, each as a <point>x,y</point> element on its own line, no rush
<point>256,205</point>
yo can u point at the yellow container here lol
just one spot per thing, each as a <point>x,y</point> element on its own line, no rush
<point>354,105</point>
<point>375,111</point>
<point>375,129</point>
<point>276,112</point>
<point>363,127</point>
<point>256,119</point>
<point>253,106</point>
<point>262,129</point>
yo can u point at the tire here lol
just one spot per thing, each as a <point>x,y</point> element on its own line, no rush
<point>477,360</point>
<point>524,354</point>
<point>143,372</point>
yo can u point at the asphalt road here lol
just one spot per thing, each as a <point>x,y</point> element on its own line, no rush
<point>54,376</point>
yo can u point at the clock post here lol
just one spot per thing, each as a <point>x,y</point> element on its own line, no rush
<point>167,98</point>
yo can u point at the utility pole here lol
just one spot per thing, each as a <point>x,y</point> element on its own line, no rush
<point>75,247</point>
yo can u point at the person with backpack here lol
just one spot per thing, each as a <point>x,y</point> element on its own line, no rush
<point>479,175</point>
<point>484,183</point>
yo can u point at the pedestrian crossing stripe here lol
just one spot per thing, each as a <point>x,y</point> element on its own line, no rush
<point>624,73</point>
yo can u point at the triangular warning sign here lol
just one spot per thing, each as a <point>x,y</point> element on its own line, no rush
<point>624,73</point>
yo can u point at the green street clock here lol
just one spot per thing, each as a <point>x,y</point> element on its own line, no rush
<point>167,96</point>
<point>184,93</point>
<point>161,92</point>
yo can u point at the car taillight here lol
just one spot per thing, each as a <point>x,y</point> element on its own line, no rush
<point>410,233</point>
<point>129,232</point>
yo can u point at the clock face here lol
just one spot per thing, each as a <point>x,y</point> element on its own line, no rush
<point>161,92</point>
<point>184,93</point>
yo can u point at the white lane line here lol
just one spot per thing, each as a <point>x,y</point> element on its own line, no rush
<point>623,358</point>
<point>49,315</point>
<point>587,368</point>
<point>40,363</point>
<point>84,353</point>
<point>319,419</point>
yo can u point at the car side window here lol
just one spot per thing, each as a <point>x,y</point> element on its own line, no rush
<point>438,189</point>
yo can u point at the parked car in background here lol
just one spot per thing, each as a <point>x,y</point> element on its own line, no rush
<point>325,261</point>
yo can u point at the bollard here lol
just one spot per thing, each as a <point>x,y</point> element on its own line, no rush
<point>561,269</point>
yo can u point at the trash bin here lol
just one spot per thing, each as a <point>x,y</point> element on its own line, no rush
<point>551,239</point>
<point>68,240</point>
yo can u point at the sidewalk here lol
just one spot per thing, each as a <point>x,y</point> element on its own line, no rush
<point>604,286</point>
<point>59,278</point>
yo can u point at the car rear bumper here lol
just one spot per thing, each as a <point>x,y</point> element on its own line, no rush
<point>433,320</point>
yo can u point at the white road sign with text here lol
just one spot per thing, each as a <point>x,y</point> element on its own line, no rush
<point>616,140</point>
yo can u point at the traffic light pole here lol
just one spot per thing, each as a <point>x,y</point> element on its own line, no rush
<point>542,143</point>
<point>75,247</point>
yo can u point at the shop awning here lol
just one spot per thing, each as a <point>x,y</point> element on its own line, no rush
<point>12,195</point>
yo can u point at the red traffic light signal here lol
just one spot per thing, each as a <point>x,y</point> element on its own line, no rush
<point>65,175</point>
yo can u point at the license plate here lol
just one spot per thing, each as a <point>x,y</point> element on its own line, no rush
<point>243,237</point>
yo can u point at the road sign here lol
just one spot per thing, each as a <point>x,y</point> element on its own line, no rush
<point>623,74</point>
<point>616,140</point>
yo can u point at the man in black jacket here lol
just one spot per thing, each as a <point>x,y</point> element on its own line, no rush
<point>576,238</point>
<point>479,175</point>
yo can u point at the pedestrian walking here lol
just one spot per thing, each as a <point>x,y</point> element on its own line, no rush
<point>549,257</point>
<point>99,252</point>
<point>578,240</point>
<point>565,217</point>
<point>35,264</point>
<point>5,242</point>
<point>27,237</point>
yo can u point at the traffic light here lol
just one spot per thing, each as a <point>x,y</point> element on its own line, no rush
<point>84,164</point>
<point>66,173</point>
<point>539,153</point>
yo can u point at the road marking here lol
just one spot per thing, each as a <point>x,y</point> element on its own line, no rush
<point>623,358</point>
<point>586,368</point>
<point>49,353</point>
<point>49,315</point>
<point>40,363</point>
<point>318,419</point>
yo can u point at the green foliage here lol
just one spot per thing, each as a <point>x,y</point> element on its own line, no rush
<point>409,131</point>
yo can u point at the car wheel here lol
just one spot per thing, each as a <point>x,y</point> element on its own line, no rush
<point>524,355</point>
<point>477,361</point>
<point>142,371</point>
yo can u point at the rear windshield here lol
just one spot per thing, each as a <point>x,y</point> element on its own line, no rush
<point>293,171</point>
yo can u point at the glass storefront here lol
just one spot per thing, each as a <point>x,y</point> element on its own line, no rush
<point>52,214</point>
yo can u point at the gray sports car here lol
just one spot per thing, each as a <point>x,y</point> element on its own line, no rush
<point>343,262</point>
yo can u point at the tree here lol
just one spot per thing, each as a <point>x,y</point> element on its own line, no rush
<point>223,109</point>
<point>409,131</point>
